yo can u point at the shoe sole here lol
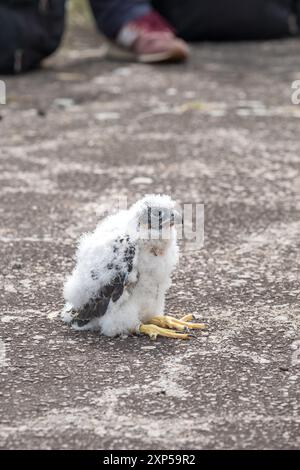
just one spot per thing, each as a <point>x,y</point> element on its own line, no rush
<point>115,52</point>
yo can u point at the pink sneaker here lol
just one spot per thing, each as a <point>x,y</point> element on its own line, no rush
<point>148,39</point>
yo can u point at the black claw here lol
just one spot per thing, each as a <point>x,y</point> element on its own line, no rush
<point>192,335</point>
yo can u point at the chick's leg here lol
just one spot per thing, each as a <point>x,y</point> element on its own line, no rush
<point>153,331</point>
<point>166,321</point>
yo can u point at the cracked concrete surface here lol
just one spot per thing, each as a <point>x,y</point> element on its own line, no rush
<point>220,130</point>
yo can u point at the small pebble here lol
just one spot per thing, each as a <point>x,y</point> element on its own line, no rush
<point>41,112</point>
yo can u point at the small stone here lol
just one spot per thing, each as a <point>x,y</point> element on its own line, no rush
<point>41,112</point>
<point>16,266</point>
<point>171,92</point>
<point>63,102</point>
<point>141,180</point>
<point>109,116</point>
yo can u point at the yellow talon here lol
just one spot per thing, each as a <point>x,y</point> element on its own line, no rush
<point>153,331</point>
<point>165,321</point>
<point>195,326</point>
<point>187,317</point>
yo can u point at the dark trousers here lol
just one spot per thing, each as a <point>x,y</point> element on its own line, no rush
<point>111,15</point>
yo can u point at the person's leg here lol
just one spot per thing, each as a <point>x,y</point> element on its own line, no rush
<point>112,15</point>
<point>137,32</point>
<point>7,39</point>
<point>29,33</point>
<point>197,20</point>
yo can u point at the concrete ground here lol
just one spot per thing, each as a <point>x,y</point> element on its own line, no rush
<point>220,130</point>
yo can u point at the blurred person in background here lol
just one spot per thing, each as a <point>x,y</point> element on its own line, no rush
<point>146,31</point>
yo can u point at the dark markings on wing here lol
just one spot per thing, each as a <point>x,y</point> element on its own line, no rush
<point>97,306</point>
<point>94,275</point>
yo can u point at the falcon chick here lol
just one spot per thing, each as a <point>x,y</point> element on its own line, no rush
<point>123,270</point>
